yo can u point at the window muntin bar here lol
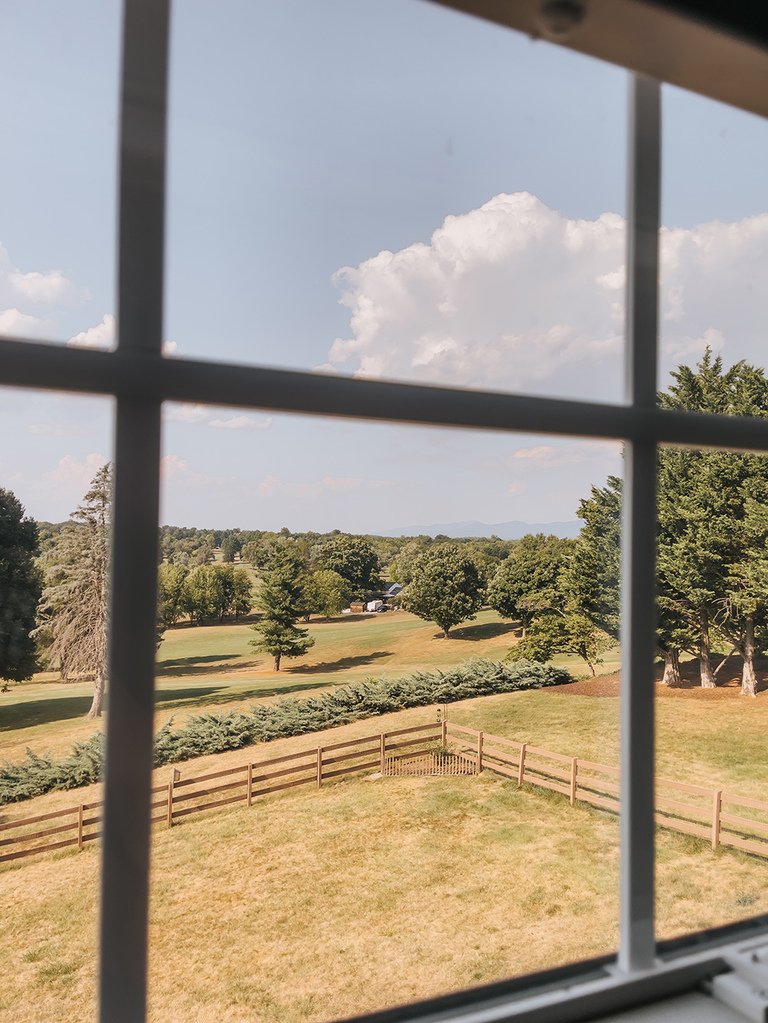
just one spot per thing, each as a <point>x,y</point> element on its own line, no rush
<point>133,598</point>
<point>637,946</point>
<point>641,424</point>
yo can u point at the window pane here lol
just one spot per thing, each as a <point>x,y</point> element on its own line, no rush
<point>59,68</point>
<point>395,190</point>
<point>53,446</point>
<point>712,844</point>
<point>714,244</point>
<point>377,889</point>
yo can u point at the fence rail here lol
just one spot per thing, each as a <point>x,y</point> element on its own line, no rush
<point>692,809</point>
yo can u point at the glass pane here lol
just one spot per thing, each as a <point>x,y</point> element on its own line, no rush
<point>405,873</point>
<point>53,446</point>
<point>712,843</point>
<point>395,190</point>
<point>714,245</point>
<point>59,67</point>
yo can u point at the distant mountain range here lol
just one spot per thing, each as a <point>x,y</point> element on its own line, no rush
<point>504,530</point>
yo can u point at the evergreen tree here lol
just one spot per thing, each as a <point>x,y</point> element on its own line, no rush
<point>710,532</point>
<point>445,587</point>
<point>282,598</point>
<point>75,600</point>
<point>20,588</point>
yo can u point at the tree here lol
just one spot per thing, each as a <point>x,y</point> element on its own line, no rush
<point>327,593</point>
<point>445,587</point>
<point>171,593</point>
<point>526,583</point>
<point>711,538</point>
<point>20,589</point>
<point>75,600</point>
<point>355,559</point>
<point>282,598</point>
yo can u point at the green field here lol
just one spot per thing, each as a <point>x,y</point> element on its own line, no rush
<point>203,667</point>
<point>317,905</point>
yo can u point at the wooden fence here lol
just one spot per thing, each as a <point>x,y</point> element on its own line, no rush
<point>693,809</point>
<point>697,810</point>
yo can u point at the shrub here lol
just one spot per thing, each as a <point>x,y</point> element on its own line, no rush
<point>289,716</point>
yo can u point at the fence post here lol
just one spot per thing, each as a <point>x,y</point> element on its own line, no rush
<point>319,766</point>
<point>175,775</point>
<point>574,769</point>
<point>80,826</point>
<point>717,804</point>
<point>479,752</point>
<point>521,766</point>
<point>383,752</point>
<point>443,733</point>
<point>249,796</point>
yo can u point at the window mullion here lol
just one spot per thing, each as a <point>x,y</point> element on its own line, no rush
<point>638,640</point>
<point>133,601</point>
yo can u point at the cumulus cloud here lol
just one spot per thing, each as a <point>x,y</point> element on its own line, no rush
<point>27,299</point>
<point>71,472</point>
<point>516,296</point>
<point>206,416</point>
<point>100,336</point>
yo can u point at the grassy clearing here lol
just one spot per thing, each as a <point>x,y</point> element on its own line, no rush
<point>202,668</point>
<point>364,895</point>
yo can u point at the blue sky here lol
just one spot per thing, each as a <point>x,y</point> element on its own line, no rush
<point>377,188</point>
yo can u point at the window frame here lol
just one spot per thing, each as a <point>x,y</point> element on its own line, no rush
<point>140,379</point>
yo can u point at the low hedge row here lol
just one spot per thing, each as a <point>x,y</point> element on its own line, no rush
<point>288,716</point>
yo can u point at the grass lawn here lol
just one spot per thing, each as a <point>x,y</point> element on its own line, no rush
<point>204,667</point>
<point>367,894</point>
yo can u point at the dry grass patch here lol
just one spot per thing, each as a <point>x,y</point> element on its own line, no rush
<point>362,895</point>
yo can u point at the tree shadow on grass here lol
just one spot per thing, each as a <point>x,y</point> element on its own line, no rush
<point>199,665</point>
<point>485,630</point>
<point>191,697</point>
<point>44,711</point>
<point>343,662</point>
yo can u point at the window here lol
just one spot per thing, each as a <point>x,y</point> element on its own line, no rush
<point>140,378</point>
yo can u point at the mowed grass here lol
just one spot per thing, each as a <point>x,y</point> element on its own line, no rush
<point>207,667</point>
<point>364,895</point>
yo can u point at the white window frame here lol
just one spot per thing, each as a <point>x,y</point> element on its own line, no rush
<point>139,378</point>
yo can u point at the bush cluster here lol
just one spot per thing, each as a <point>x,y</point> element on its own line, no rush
<point>289,716</point>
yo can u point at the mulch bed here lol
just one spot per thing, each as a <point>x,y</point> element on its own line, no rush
<point>728,683</point>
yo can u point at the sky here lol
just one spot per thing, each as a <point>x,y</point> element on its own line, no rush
<point>379,188</point>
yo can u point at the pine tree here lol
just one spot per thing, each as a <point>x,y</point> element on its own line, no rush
<point>20,587</point>
<point>75,600</point>
<point>282,598</point>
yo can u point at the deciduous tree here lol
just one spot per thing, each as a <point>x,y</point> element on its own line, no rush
<point>445,587</point>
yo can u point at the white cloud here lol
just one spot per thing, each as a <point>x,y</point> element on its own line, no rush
<point>541,453</point>
<point>206,416</point>
<point>242,422</point>
<point>27,299</point>
<point>17,324</point>
<point>516,296</point>
<point>100,336</point>
<point>71,472</point>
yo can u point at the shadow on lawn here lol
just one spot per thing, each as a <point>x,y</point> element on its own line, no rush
<point>486,630</point>
<point>198,696</point>
<point>343,662</point>
<point>199,665</point>
<point>44,711</point>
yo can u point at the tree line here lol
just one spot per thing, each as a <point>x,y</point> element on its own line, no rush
<point>712,566</point>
